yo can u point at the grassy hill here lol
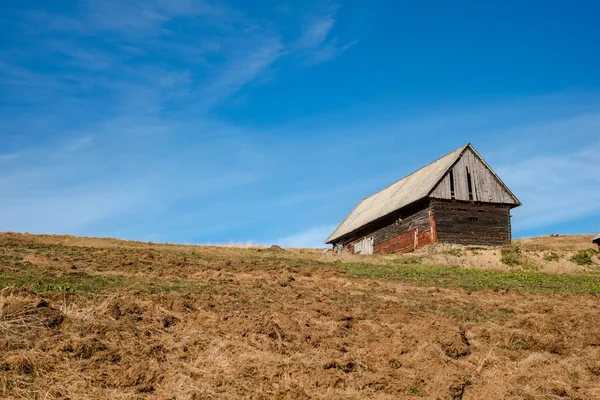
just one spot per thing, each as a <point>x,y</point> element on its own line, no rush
<point>102,318</point>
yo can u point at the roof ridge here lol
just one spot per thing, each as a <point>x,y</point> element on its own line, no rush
<point>358,210</point>
<point>462,148</point>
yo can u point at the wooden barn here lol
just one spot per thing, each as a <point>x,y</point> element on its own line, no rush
<point>456,199</point>
<point>596,239</point>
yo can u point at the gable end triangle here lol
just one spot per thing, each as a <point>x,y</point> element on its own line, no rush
<point>470,178</point>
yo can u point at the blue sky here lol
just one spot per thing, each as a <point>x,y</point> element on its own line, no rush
<point>217,122</point>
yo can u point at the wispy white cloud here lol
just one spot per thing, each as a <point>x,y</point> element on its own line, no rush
<point>327,52</point>
<point>89,179</point>
<point>133,19</point>
<point>244,67</point>
<point>78,144</point>
<point>70,210</point>
<point>555,188</point>
<point>317,44</point>
<point>8,156</point>
<point>83,56</point>
<point>309,238</point>
<point>316,31</point>
<point>224,51</point>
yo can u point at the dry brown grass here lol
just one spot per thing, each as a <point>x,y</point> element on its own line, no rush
<point>543,254</point>
<point>262,324</point>
<point>560,243</point>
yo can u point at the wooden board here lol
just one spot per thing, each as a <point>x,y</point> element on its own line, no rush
<point>471,224</point>
<point>396,233</point>
<point>485,187</point>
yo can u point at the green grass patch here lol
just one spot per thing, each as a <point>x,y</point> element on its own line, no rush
<point>511,256</point>
<point>584,257</point>
<point>552,256</point>
<point>199,255</point>
<point>477,279</point>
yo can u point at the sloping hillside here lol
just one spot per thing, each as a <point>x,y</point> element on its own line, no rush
<point>100,318</point>
<point>557,243</point>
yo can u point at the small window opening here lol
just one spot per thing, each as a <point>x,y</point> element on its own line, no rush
<point>472,219</point>
<point>470,185</point>
<point>452,184</point>
<point>358,247</point>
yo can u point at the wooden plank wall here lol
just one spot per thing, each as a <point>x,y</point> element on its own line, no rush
<point>398,236</point>
<point>485,186</point>
<point>492,226</point>
<point>435,220</point>
<point>405,242</point>
<point>408,223</point>
<point>442,190</point>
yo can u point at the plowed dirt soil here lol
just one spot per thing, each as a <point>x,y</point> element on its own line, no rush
<point>106,319</point>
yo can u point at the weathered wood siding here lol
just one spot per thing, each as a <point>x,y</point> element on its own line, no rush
<point>443,221</point>
<point>471,223</point>
<point>405,242</point>
<point>401,232</point>
<point>411,232</point>
<point>484,185</point>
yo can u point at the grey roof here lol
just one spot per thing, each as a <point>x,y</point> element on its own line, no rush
<point>407,190</point>
<point>597,237</point>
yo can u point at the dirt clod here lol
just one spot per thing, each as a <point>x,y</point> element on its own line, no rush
<point>87,348</point>
<point>457,390</point>
<point>169,320</point>
<point>456,344</point>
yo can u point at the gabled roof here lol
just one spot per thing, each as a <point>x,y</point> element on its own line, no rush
<point>597,237</point>
<point>402,193</point>
<point>406,191</point>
